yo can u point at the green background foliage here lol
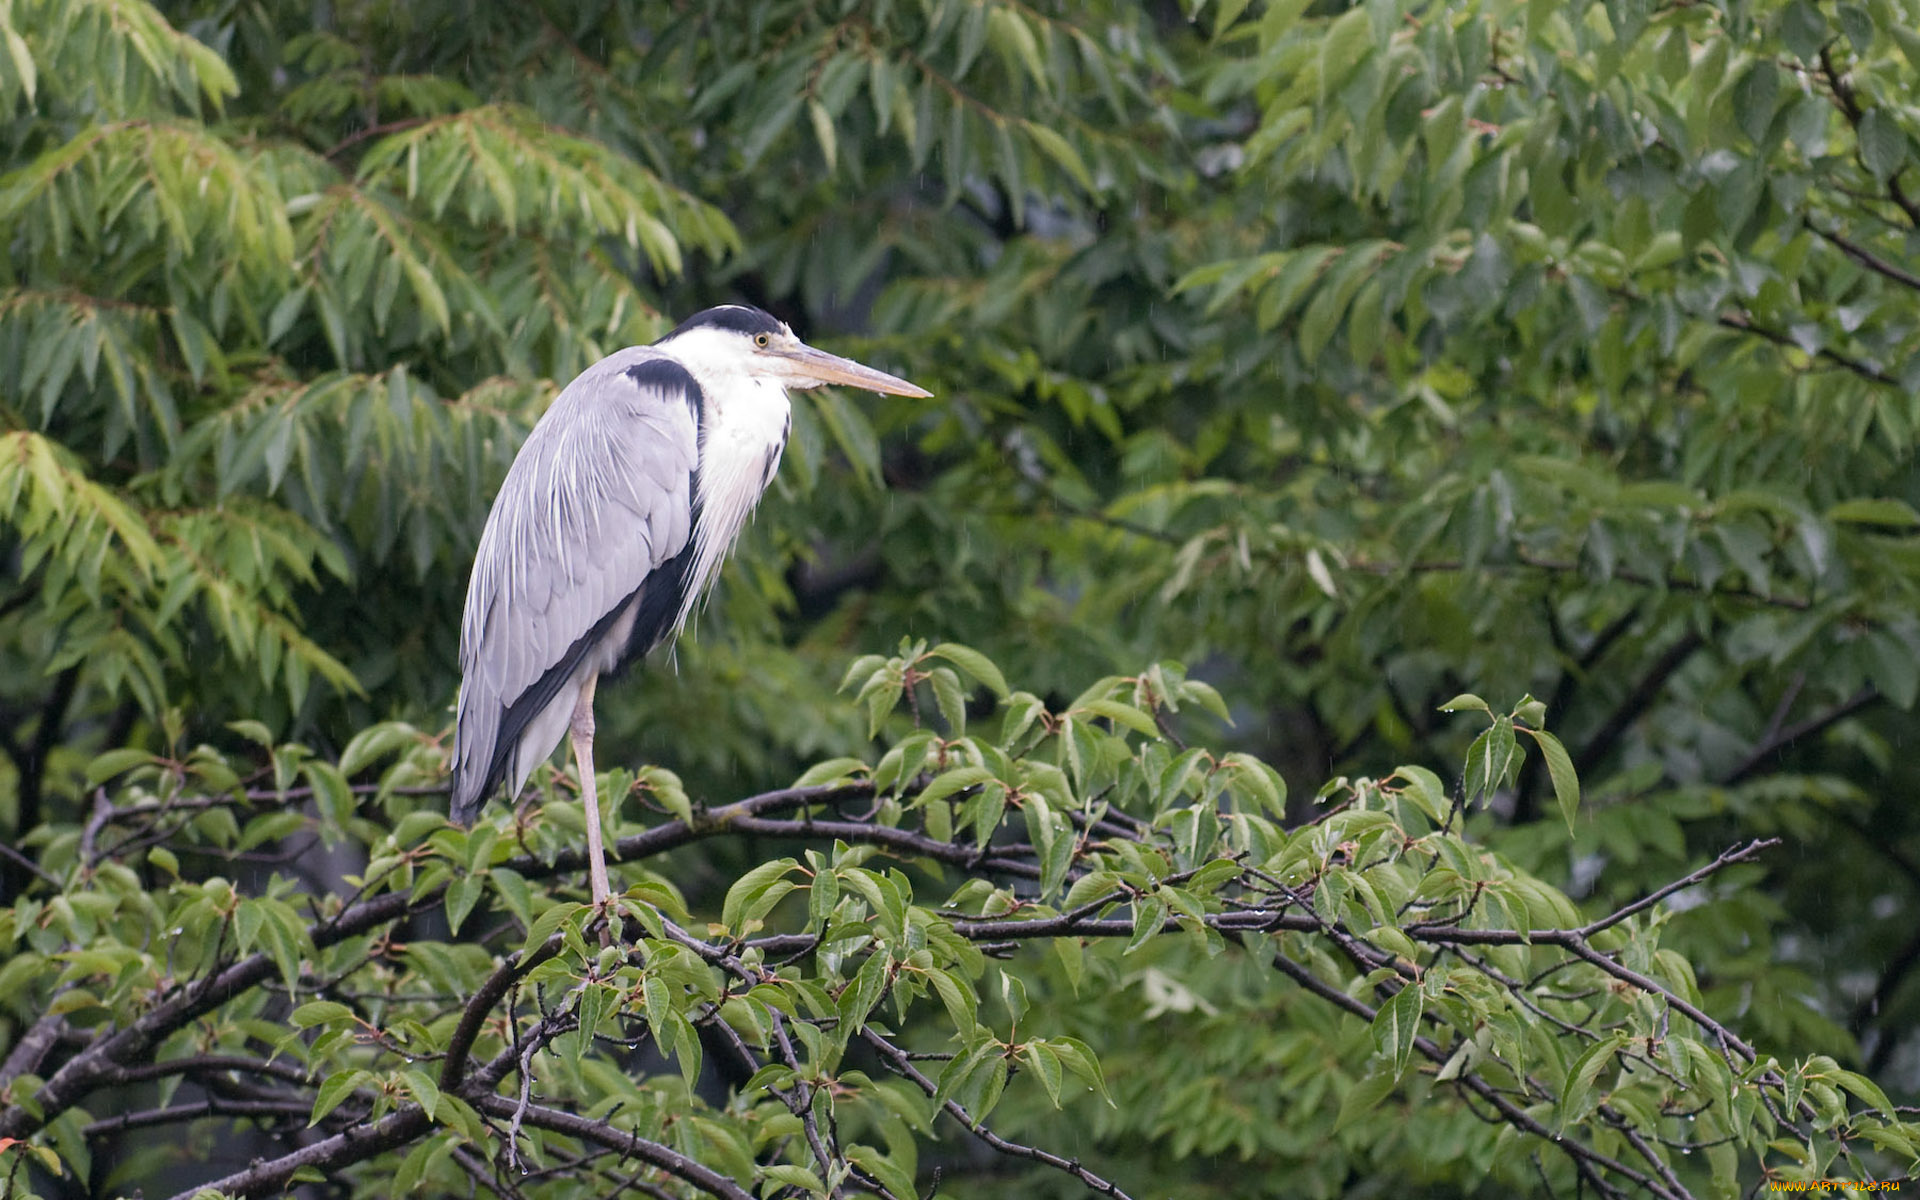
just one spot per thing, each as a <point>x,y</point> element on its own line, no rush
<point>1353,356</point>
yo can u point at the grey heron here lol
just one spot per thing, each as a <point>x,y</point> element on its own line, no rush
<point>614,518</point>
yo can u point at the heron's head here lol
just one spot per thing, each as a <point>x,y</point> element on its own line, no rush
<point>738,339</point>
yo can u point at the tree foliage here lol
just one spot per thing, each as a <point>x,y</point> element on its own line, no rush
<point>1357,357</point>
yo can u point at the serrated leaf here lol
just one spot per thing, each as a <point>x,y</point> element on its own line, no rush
<point>374,743</point>
<point>749,887</point>
<point>1576,1098</point>
<point>426,1093</point>
<point>949,783</point>
<point>461,895</point>
<point>1045,1064</point>
<point>1395,1026</point>
<point>1124,715</point>
<point>1566,782</point>
<point>1077,1057</point>
<point>975,664</point>
<point>320,1012</point>
<point>1426,791</point>
<point>833,770</point>
<point>1867,1090</point>
<point>547,922</point>
<point>113,762</point>
<point>951,701</point>
<point>957,995</point>
<point>333,1090</point>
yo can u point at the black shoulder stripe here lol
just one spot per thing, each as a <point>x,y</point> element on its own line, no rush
<point>661,598</point>
<point>667,377</point>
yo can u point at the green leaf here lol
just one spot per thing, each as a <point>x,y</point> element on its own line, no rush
<point>1566,783</point>
<point>1883,146</point>
<point>321,1012</point>
<point>861,669</point>
<point>1124,715</point>
<point>423,1089</point>
<point>23,68</point>
<point>1395,1026</point>
<point>975,664</point>
<point>1875,511</point>
<point>461,895</point>
<point>883,1168</point>
<point>1364,1097</point>
<point>1149,918</point>
<point>1426,791</point>
<point>750,887</point>
<point>1803,29</point>
<point>822,894</point>
<point>375,743</point>
<point>1491,759</point>
<point>1076,1056</point>
<point>1046,1065</point>
<point>949,783</point>
<point>1023,709</point>
<point>1868,1091</point>
<point>113,762</point>
<point>950,700</point>
<point>334,1089</point>
<point>1060,151</point>
<point>1576,1098</point>
<point>549,921</point>
<point>1348,39</point>
<point>833,770</point>
<point>958,996</point>
<point>791,1176</point>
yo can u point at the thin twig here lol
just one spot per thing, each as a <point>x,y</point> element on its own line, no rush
<point>898,1061</point>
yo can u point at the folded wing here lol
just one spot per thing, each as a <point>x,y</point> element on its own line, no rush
<point>585,562</point>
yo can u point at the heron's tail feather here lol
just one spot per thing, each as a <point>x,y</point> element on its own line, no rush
<point>476,769</point>
<point>468,800</point>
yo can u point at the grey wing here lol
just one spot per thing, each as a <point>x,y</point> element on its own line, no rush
<point>585,561</point>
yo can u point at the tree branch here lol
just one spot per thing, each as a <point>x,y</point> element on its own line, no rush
<point>1864,370</point>
<point>1635,704</point>
<point>1866,258</point>
<point>898,1062</point>
<point>626,1144</point>
<point>1782,738</point>
<point>1509,1112</point>
<point>1850,106</point>
<point>200,1110</point>
<point>356,1143</point>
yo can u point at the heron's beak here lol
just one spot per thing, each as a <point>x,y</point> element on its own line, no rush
<point>813,368</point>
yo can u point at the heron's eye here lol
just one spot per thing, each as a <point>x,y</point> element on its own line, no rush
<point>762,340</point>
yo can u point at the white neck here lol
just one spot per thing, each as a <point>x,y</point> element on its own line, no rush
<point>744,425</point>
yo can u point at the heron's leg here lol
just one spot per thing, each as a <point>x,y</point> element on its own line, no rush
<point>582,733</point>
